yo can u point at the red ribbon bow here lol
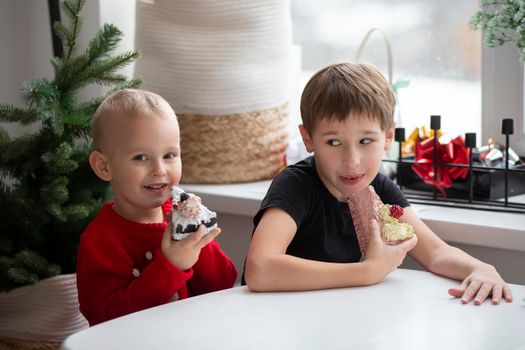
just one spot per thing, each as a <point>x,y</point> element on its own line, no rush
<point>453,152</point>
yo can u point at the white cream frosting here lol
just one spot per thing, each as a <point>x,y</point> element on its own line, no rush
<point>179,217</point>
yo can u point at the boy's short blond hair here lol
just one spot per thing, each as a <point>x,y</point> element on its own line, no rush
<point>341,89</point>
<point>127,101</point>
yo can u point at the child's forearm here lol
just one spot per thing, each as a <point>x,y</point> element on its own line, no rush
<point>453,263</point>
<point>437,256</point>
<point>289,273</point>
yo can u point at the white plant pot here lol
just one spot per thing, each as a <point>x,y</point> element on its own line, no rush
<point>45,311</point>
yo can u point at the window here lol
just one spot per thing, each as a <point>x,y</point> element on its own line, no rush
<point>433,48</point>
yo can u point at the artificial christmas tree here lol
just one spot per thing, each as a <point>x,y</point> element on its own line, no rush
<point>48,193</point>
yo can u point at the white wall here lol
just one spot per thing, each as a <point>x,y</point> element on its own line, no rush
<point>25,47</point>
<point>25,40</point>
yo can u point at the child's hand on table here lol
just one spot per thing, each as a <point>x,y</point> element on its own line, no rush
<point>481,283</point>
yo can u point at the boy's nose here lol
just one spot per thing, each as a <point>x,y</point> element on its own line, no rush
<point>158,169</point>
<point>351,158</point>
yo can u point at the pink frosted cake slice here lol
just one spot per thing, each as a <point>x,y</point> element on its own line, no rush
<point>188,213</point>
<point>365,206</point>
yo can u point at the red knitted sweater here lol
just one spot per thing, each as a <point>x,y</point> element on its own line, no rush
<point>121,269</point>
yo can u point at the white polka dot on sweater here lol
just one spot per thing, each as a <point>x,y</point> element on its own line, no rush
<point>149,255</point>
<point>136,272</point>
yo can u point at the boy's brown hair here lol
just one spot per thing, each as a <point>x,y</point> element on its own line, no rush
<point>129,101</point>
<point>341,89</point>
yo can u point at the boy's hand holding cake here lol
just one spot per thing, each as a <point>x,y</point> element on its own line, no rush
<point>365,206</point>
<point>188,214</point>
<point>192,228</point>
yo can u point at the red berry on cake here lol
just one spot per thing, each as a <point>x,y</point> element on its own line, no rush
<point>365,206</point>
<point>396,211</point>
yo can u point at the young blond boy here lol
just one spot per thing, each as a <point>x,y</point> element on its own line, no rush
<point>304,237</point>
<point>127,260</point>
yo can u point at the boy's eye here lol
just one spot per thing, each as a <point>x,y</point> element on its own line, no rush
<point>365,141</point>
<point>170,155</point>
<point>140,157</point>
<point>334,142</point>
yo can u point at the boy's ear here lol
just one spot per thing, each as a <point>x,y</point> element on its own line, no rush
<point>99,164</point>
<point>307,140</point>
<point>390,136</point>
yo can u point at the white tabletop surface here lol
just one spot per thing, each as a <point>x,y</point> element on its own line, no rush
<point>409,310</point>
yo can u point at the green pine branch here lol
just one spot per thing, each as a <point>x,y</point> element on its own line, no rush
<point>52,119</point>
<point>11,114</point>
<point>39,92</point>
<point>94,65</point>
<point>89,107</point>
<point>18,148</point>
<point>104,42</point>
<point>130,84</point>
<point>58,161</point>
<point>98,71</point>
<point>502,21</point>
<point>26,267</point>
<point>4,140</point>
<point>72,10</point>
<point>7,182</point>
<point>78,123</point>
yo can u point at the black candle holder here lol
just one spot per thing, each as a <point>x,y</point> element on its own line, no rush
<point>485,187</point>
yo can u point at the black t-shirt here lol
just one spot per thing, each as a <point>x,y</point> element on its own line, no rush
<point>325,231</point>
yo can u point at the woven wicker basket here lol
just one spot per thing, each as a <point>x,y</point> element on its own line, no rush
<point>233,148</point>
<point>40,316</point>
<point>7,343</point>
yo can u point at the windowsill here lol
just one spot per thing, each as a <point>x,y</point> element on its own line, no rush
<point>466,226</point>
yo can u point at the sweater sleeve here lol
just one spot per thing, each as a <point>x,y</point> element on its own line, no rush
<point>107,287</point>
<point>213,271</point>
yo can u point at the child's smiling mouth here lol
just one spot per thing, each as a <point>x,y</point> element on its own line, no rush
<point>156,187</point>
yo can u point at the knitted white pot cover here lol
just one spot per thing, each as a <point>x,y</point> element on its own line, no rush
<point>215,57</point>
<point>45,311</point>
<point>226,61</point>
